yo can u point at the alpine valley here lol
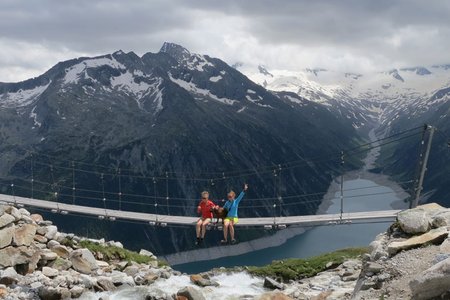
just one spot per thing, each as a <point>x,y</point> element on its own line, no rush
<point>128,132</point>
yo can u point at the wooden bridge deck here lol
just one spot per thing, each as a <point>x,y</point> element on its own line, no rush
<point>308,220</point>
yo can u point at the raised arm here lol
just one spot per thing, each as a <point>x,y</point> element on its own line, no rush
<point>242,194</point>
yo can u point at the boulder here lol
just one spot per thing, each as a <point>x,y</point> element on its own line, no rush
<point>201,281</point>
<point>61,251</point>
<point>119,278</point>
<point>6,235</point>
<point>191,293</point>
<point>102,264</point>
<point>414,221</point>
<point>441,218</point>
<point>6,219</point>
<point>272,284</point>
<point>131,270</point>
<point>51,231</point>
<point>37,218</point>
<point>13,256</point>
<point>14,212</point>
<point>51,293</point>
<point>76,292</point>
<point>83,261</point>
<point>105,284</point>
<point>48,255</point>
<point>40,239</point>
<point>9,276</point>
<point>273,296</point>
<point>122,265</point>
<point>52,243</point>
<point>373,267</point>
<point>60,264</point>
<point>24,212</point>
<point>435,236</point>
<point>150,278</point>
<point>41,230</point>
<point>445,246</point>
<point>50,272</point>
<point>24,235</point>
<point>112,243</point>
<point>146,253</point>
<point>433,282</point>
<point>3,293</point>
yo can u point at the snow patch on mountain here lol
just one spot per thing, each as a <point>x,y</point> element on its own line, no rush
<point>33,115</point>
<point>74,73</point>
<point>129,83</point>
<point>215,78</point>
<point>257,101</point>
<point>22,97</point>
<point>193,89</point>
<point>157,95</point>
<point>198,62</point>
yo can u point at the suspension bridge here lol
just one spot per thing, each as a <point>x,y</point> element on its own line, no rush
<point>112,206</point>
<point>164,220</point>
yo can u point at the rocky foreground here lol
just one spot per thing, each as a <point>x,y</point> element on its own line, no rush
<point>410,261</point>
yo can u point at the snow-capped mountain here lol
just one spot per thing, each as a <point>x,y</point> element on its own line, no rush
<point>190,115</point>
<point>391,101</point>
<point>378,97</point>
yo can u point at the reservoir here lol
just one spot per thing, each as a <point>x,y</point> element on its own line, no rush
<point>359,195</point>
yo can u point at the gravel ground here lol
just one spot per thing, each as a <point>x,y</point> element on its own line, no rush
<point>404,267</point>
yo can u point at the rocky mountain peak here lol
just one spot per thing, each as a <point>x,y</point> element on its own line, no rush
<point>396,75</point>
<point>418,70</point>
<point>176,51</point>
<point>263,70</point>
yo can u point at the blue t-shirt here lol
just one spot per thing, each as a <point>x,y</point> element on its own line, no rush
<point>232,206</point>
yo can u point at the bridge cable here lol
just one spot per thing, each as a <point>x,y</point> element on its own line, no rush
<point>103,193</point>
<point>120,188</point>
<point>167,193</point>
<point>54,188</point>
<point>280,198</point>
<point>32,177</point>
<point>156,198</point>
<point>342,185</point>
<point>13,193</point>
<point>275,197</point>
<point>262,170</point>
<point>73,182</point>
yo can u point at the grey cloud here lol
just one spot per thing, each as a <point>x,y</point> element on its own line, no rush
<point>382,32</point>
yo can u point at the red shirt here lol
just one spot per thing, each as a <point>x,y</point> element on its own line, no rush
<point>205,209</point>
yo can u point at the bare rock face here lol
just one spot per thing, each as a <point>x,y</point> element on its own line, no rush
<point>434,282</point>
<point>433,236</point>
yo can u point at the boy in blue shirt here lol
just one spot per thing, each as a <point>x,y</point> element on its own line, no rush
<point>232,206</point>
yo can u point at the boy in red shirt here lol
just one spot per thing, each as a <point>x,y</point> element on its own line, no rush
<point>204,209</point>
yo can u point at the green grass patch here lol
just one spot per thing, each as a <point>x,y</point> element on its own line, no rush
<point>111,253</point>
<point>295,269</point>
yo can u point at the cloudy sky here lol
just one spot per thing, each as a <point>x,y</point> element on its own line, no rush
<point>350,35</point>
